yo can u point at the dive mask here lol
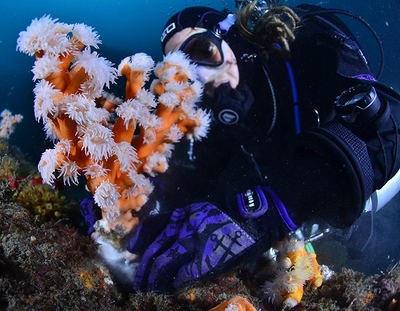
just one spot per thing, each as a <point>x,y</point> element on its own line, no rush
<point>204,48</point>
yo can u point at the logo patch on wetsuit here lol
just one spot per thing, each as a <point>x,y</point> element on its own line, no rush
<point>228,116</point>
<point>167,30</point>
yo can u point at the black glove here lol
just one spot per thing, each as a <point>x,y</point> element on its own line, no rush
<point>201,239</point>
<point>232,105</point>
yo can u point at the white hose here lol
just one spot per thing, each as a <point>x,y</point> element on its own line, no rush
<point>382,196</point>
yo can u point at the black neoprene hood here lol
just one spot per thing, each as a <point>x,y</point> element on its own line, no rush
<point>197,16</point>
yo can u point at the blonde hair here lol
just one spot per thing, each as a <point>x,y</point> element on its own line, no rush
<point>274,29</point>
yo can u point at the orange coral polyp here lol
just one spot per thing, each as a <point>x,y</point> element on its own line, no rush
<point>186,126</point>
<point>134,81</point>
<point>77,78</point>
<point>296,295</point>
<point>65,128</point>
<point>179,76</point>
<point>236,303</point>
<point>60,80</point>
<point>122,133</point>
<point>65,61</point>
<point>133,203</point>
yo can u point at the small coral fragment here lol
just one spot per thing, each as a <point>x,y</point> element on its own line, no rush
<point>294,267</point>
<point>8,122</point>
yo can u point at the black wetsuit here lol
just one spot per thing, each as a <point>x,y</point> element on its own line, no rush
<point>324,60</point>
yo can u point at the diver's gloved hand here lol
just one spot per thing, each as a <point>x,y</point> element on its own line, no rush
<point>201,239</point>
<point>232,105</point>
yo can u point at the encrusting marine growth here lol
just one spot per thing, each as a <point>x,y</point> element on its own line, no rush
<point>115,157</point>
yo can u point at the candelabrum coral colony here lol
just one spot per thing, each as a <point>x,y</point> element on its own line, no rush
<point>115,144</point>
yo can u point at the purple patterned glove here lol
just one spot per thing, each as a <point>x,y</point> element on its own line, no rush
<point>200,239</point>
<point>88,208</point>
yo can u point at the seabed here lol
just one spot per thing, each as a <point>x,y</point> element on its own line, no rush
<point>47,262</point>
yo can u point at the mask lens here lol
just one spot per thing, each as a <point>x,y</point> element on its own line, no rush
<point>202,51</point>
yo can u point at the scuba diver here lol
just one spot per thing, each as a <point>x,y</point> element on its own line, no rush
<point>301,130</point>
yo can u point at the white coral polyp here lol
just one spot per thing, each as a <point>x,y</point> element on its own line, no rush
<point>169,99</point>
<point>43,103</point>
<point>5,113</point>
<point>142,185</point>
<point>293,245</point>
<point>153,161</point>
<point>50,132</point>
<point>8,122</point>
<point>204,120</point>
<point>197,88</point>
<point>168,148</point>
<point>18,118</point>
<point>151,121</point>
<point>129,110</point>
<point>97,141</point>
<point>96,170</point>
<point>78,109</point>
<point>146,98</point>
<point>69,171</point>
<point>126,155</point>
<point>175,87</point>
<point>111,98</point>
<point>45,34</point>
<point>302,270</point>
<point>86,35</point>
<point>189,108</point>
<point>149,136</point>
<point>166,74</point>
<point>99,115</point>
<point>106,196</point>
<point>64,146</point>
<point>122,64</point>
<point>231,307</point>
<point>174,134</point>
<point>44,66</point>
<point>141,62</point>
<point>47,165</point>
<point>99,69</point>
<point>153,84</point>
<point>179,59</point>
<point>90,88</point>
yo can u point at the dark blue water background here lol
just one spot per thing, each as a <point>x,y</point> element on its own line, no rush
<point>127,27</point>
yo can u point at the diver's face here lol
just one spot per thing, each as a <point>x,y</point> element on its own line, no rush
<point>211,76</point>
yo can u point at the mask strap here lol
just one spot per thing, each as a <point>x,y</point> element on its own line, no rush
<point>226,24</point>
